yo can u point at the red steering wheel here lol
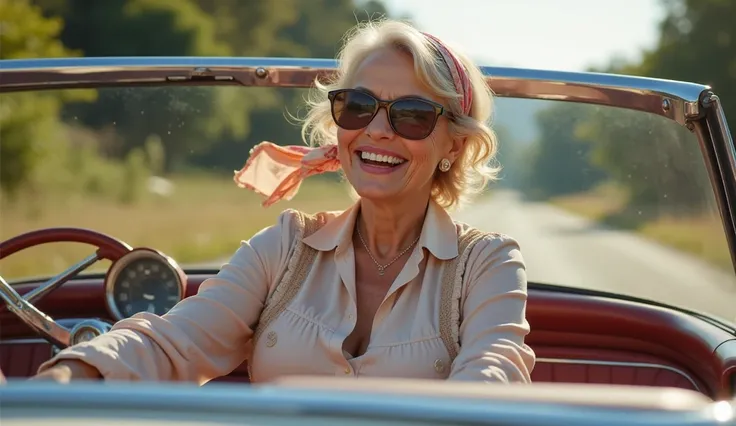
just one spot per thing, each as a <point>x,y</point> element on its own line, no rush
<point>107,247</point>
<point>23,306</point>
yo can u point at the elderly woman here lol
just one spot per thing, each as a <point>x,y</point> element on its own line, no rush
<point>390,287</point>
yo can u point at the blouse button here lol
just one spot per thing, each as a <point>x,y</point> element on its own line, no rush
<point>271,339</point>
<point>439,366</point>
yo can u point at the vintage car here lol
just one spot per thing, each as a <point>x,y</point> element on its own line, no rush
<point>621,191</point>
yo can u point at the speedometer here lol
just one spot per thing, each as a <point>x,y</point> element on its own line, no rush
<point>143,280</point>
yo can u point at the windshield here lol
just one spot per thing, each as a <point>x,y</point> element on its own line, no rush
<point>598,197</point>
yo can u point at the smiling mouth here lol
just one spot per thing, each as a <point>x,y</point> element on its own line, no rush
<point>379,160</point>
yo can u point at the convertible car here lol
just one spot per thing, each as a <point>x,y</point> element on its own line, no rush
<point>621,191</point>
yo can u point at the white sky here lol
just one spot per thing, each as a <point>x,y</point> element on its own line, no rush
<point>568,35</point>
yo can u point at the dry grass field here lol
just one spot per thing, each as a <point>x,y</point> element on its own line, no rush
<point>204,219</point>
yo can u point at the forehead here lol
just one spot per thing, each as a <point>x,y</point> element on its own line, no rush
<point>389,73</point>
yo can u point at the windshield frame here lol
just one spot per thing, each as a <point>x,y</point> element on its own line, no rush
<point>692,105</point>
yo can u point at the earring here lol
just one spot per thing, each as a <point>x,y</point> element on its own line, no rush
<point>445,165</point>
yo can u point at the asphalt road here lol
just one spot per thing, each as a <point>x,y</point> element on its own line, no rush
<point>561,248</point>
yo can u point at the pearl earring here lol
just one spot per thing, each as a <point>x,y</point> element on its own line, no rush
<point>445,165</point>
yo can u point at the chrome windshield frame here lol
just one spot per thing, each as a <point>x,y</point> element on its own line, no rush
<point>691,105</point>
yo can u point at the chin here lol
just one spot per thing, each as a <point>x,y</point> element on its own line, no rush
<point>374,193</point>
<point>396,195</point>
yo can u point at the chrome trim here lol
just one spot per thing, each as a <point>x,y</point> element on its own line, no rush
<point>432,403</point>
<point>31,316</point>
<point>723,411</point>
<point>23,341</point>
<point>679,101</point>
<point>725,133</point>
<point>97,328</point>
<point>620,364</point>
<point>52,284</point>
<point>723,164</point>
<point>136,254</point>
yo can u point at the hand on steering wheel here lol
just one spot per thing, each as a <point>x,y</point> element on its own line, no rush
<point>23,306</point>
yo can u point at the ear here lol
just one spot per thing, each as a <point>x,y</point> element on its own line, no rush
<point>456,148</point>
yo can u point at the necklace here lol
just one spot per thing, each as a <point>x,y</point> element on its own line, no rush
<point>382,268</point>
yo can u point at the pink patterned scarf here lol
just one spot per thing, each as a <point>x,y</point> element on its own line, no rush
<point>276,172</point>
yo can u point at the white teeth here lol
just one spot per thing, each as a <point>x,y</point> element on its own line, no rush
<point>380,158</point>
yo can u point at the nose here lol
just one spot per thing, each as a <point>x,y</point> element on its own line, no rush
<point>380,128</point>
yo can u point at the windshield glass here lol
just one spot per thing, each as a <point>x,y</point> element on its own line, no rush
<point>598,197</point>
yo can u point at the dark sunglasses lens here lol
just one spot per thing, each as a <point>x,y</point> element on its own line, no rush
<point>413,118</point>
<point>353,110</point>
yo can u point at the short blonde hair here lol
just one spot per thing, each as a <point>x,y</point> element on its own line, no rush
<point>474,168</point>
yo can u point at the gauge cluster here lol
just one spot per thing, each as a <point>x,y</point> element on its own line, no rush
<point>143,280</point>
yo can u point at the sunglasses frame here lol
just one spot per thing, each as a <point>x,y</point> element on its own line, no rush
<point>439,109</point>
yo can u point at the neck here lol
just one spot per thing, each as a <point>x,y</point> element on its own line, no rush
<point>389,228</point>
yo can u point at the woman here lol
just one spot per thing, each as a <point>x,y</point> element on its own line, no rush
<point>389,287</point>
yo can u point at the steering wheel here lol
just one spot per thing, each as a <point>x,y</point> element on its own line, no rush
<point>23,306</point>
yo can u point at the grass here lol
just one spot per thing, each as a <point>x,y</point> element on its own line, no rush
<point>702,235</point>
<point>596,205</point>
<point>204,219</point>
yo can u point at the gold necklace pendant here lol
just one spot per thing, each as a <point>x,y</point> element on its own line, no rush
<point>382,268</point>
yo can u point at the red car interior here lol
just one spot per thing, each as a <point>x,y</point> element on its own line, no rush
<point>578,338</point>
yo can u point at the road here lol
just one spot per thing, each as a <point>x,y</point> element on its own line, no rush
<point>561,248</point>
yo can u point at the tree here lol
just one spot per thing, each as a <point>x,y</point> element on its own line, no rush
<point>559,162</point>
<point>657,161</point>
<point>29,122</point>
<point>697,43</point>
<point>289,28</point>
<point>184,119</point>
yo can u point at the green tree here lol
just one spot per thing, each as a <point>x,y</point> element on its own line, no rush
<point>184,119</point>
<point>697,43</point>
<point>657,161</point>
<point>29,122</point>
<point>559,162</point>
<point>203,126</point>
<point>284,28</point>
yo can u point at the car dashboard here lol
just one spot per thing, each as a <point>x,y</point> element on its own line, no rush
<point>578,337</point>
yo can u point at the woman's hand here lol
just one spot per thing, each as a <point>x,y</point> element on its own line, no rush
<point>68,370</point>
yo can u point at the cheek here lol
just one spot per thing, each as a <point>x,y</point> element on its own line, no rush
<point>345,139</point>
<point>424,153</point>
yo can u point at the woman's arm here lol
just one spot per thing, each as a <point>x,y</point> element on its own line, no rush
<point>494,324</point>
<point>202,337</point>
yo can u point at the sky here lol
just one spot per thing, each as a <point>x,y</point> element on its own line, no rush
<point>566,35</point>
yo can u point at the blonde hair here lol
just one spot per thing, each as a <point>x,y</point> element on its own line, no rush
<point>473,169</point>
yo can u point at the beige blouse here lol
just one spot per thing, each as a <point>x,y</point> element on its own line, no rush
<point>210,334</point>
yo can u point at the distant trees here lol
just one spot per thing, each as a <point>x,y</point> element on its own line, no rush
<point>656,162</point>
<point>196,127</point>
<point>28,121</point>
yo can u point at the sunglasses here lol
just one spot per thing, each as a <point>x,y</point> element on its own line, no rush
<point>410,117</point>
